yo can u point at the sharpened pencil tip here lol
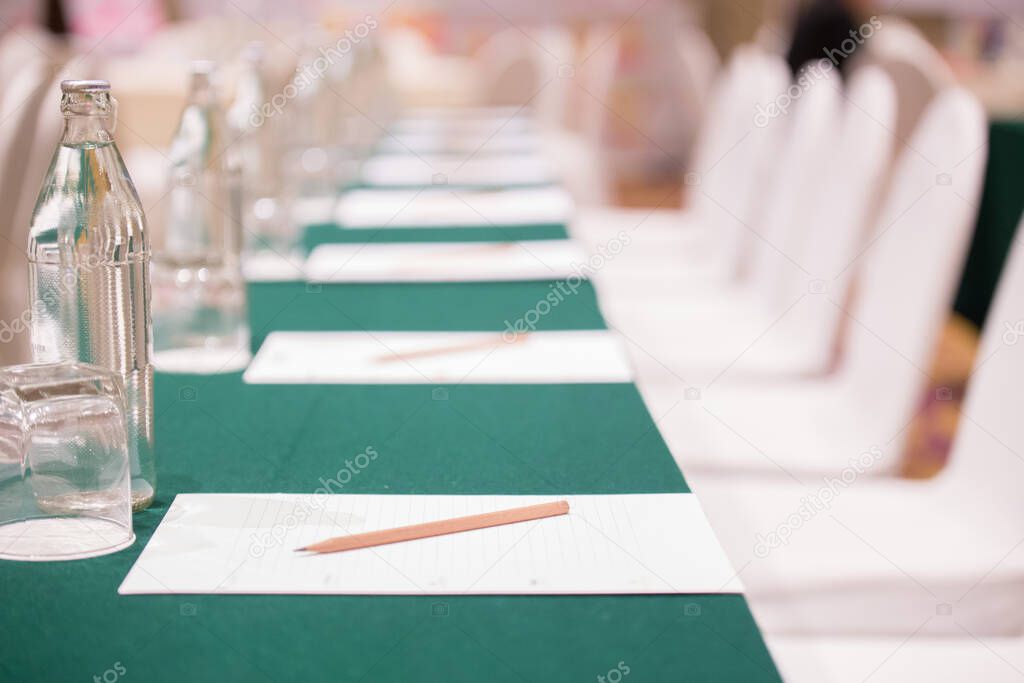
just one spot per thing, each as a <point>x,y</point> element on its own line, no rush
<point>299,550</point>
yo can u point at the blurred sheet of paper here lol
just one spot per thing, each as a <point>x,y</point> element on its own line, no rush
<point>462,170</point>
<point>452,207</point>
<point>446,262</point>
<point>510,357</point>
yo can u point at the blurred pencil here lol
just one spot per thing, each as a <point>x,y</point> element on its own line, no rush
<point>394,357</point>
<point>439,528</point>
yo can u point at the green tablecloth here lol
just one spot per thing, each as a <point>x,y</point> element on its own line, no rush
<point>1002,201</point>
<point>65,621</point>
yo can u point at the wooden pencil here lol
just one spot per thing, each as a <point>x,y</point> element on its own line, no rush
<point>394,356</point>
<point>438,528</point>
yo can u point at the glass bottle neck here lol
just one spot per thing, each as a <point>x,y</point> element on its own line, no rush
<point>84,130</point>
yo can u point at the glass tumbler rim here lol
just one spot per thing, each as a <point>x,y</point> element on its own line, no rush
<point>35,375</point>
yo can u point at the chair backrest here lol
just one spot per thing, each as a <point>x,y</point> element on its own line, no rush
<point>510,67</point>
<point>19,111</point>
<point>695,65</point>
<point>845,205</point>
<point>914,257</point>
<point>698,63</point>
<point>986,459</point>
<point>721,120</point>
<point>795,178</point>
<point>723,99</point>
<point>599,64</point>
<point>916,68</point>
<point>29,43</point>
<point>554,48</point>
<point>734,152</point>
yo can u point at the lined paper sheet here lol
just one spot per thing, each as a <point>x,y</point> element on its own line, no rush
<point>455,207</point>
<point>446,262</point>
<point>398,170</point>
<point>243,543</point>
<point>562,357</point>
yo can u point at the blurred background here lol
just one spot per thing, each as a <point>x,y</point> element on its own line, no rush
<point>620,88</point>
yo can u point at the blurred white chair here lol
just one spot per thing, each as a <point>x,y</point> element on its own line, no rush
<point>511,68</point>
<point>682,317</point>
<point>583,84</point>
<point>911,266</point>
<point>897,659</point>
<point>733,90</point>
<point>554,49</point>
<point>599,63</point>
<point>24,45</point>
<point>890,556</point>
<point>705,241</point>
<point>780,324</point>
<point>697,66</point>
<point>422,77</point>
<point>19,112</point>
<point>917,69</point>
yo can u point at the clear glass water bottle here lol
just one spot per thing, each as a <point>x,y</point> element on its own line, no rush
<point>200,323</point>
<point>89,258</point>
<point>307,178</point>
<point>251,132</point>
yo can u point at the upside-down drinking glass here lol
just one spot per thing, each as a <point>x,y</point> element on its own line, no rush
<point>65,486</point>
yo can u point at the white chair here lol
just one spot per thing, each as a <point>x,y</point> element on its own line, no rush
<point>576,144</point>
<point>510,68</point>
<point>917,69</point>
<point>722,316</point>
<point>897,659</point>
<point>554,48</point>
<point>734,91</point>
<point>599,63</point>
<point>23,98</point>
<point>779,325</point>
<point>531,73</point>
<point>24,45</point>
<point>422,77</point>
<point>705,241</point>
<point>911,265</point>
<point>890,556</point>
<point>698,65</point>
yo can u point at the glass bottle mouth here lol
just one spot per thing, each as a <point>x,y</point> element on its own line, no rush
<point>84,86</point>
<point>87,98</point>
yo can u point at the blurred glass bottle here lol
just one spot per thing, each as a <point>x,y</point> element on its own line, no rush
<point>307,185</point>
<point>89,266</point>
<point>251,133</point>
<point>199,304</point>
